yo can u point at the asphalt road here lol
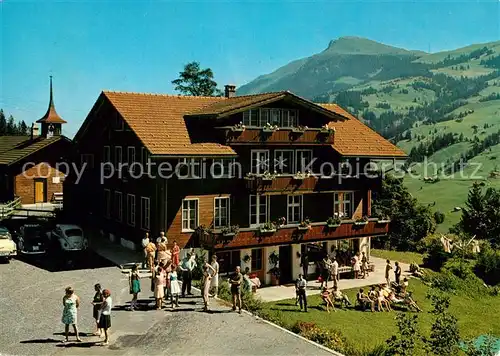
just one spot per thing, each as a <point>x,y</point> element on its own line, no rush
<point>31,306</point>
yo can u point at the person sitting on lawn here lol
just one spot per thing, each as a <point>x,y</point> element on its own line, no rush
<point>325,295</point>
<point>338,296</point>
<point>411,303</point>
<point>372,294</point>
<point>381,301</point>
<point>364,300</point>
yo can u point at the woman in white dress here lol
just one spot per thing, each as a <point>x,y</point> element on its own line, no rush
<point>215,277</point>
<point>356,265</point>
<point>175,289</point>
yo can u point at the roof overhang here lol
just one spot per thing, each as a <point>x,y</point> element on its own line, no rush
<point>279,96</point>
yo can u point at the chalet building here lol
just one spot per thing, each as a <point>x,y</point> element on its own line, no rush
<point>29,169</point>
<point>244,176</point>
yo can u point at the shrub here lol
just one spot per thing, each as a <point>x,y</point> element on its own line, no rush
<point>439,217</point>
<point>332,339</point>
<point>434,254</point>
<point>249,300</point>
<point>488,265</point>
<point>406,340</point>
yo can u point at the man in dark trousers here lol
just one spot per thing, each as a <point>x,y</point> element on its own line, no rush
<point>305,265</point>
<point>236,280</point>
<point>187,273</point>
<point>301,290</point>
<point>397,272</point>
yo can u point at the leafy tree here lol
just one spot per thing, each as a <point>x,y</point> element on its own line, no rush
<point>444,338</point>
<point>410,221</point>
<point>196,81</point>
<point>481,214</point>
<point>439,217</point>
<point>404,343</point>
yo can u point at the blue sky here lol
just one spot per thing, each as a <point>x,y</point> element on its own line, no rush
<point>141,46</point>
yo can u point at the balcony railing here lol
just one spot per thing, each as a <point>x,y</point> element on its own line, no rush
<point>259,135</point>
<point>287,183</point>
<point>319,231</point>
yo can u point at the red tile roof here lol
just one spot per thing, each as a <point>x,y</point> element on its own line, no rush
<point>353,138</point>
<point>158,121</point>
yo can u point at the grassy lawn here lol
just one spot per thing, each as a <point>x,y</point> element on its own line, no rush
<point>405,257</point>
<point>366,330</point>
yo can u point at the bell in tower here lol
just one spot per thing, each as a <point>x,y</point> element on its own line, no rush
<point>51,122</point>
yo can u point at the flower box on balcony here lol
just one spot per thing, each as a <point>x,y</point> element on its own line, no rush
<point>228,234</point>
<point>383,221</point>
<point>299,129</point>
<point>267,228</point>
<point>267,231</point>
<point>250,176</point>
<point>237,129</point>
<point>333,226</point>
<point>360,223</point>
<point>301,176</point>
<point>230,231</point>
<point>304,228</point>
<point>269,130</point>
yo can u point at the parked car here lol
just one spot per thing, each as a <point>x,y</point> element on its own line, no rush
<point>8,247</point>
<point>69,237</point>
<point>32,240</point>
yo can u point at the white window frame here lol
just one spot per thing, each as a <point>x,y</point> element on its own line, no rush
<point>131,209</point>
<point>247,118</point>
<point>276,161</point>
<point>117,195</point>
<point>350,213</point>
<point>257,168</point>
<point>264,119</point>
<point>292,205</point>
<point>197,215</point>
<point>145,213</point>
<point>337,206</point>
<point>290,121</point>
<point>187,163</point>
<point>107,203</point>
<point>298,155</point>
<point>217,220</point>
<point>258,204</point>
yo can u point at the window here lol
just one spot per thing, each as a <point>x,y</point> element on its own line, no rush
<point>131,155</point>
<point>189,214</point>
<point>131,209</point>
<point>119,124</point>
<point>348,204</point>
<point>190,168</point>
<point>87,158</point>
<point>251,117</point>
<point>336,203</point>
<point>259,209</point>
<point>283,161</point>
<point>118,157</point>
<point>260,161</point>
<point>256,263</point>
<point>294,208</point>
<point>221,212</point>
<point>304,161</point>
<point>290,118</point>
<point>145,159</point>
<point>145,213</point>
<point>107,203</point>
<point>264,117</point>
<point>275,118</point>
<point>118,206</point>
<point>223,168</point>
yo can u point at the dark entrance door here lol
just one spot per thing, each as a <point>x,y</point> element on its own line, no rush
<point>285,264</point>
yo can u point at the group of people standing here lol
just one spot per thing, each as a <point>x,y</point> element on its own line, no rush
<point>102,304</point>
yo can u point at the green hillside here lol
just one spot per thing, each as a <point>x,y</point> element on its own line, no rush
<point>441,108</point>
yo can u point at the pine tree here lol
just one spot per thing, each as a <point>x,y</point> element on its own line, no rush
<point>3,123</point>
<point>11,126</point>
<point>22,129</point>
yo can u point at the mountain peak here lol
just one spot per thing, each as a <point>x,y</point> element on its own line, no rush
<point>360,45</point>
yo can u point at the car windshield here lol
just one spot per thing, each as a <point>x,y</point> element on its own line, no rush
<point>73,233</point>
<point>4,233</point>
<point>32,232</point>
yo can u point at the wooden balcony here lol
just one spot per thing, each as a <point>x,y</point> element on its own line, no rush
<point>290,234</point>
<point>281,184</point>
<point>282,136</point>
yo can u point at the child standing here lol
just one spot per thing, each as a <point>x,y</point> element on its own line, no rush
<point>175,289</point>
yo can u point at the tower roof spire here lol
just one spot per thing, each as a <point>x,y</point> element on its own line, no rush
<point>51,116</point>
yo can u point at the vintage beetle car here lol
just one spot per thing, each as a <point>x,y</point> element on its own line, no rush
<point>32,240</point>
<point>8,247</point>
<point>69,238</point>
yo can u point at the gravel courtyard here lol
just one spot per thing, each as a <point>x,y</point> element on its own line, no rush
<point>31,306</point>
